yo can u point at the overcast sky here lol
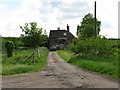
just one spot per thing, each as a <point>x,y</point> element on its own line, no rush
<point>50,14</point>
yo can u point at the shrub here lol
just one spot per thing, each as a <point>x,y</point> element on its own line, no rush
<point>93,46</point>
<point>9,47</point>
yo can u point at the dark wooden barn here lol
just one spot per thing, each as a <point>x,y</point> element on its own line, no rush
<point>59,39</point>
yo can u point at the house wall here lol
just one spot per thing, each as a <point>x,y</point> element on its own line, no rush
<point>55,34</point>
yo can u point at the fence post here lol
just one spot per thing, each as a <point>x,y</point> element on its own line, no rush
<point>38,52</point>
<point>34,57</point>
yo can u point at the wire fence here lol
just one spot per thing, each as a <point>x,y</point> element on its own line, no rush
<point>22,57</point>
<point>34,56</point>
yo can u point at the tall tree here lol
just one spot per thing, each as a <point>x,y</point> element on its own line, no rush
<point>32,36</point>
<point>87,29</point>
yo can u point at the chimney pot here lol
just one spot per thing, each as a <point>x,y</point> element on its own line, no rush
<point>58,28</point>
<point>67,28</point>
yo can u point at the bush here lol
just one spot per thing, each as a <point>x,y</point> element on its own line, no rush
<point>9,47</point>
<point>94,46</point>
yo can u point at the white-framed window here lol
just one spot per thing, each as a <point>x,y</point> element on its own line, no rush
<point>64,34</point>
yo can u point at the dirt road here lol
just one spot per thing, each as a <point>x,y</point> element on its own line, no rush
<point>59,74</point>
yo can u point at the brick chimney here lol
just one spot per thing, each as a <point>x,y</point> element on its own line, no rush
<point>58,28</point>
<point>67,28</point>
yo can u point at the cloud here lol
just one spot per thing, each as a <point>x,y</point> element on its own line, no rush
<point>73,7</point>
<point>72,11</point>
<point>56,4</point>
<point>51,14</point>
<point>2,6</point>
<point>107,25</point>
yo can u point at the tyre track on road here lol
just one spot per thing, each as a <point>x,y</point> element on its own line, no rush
<point>59,74</point>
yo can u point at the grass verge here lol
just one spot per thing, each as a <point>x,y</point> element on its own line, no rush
<point>103,65</point>
<point>13,65</point>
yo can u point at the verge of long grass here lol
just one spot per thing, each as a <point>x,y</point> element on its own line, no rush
<point>106,66</point>
<point>0,69</point>
<point>15,67</point>
<point>66,55</point>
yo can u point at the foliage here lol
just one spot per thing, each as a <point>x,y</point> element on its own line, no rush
<point>16,40</point>
<point>66,55</point>
<point>33,36</point>
<point>13,65</point>
<point>94,46</point>
<point>17,58</point>
<point>9,47</point>
<point>86,29</point>
<point>0,46</point>
<point>44,40</point>
<point>103,65</point>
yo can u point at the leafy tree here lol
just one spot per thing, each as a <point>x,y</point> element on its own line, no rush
<point>9,47</point>
<point>86,29</point>
<point>33,36</point>
<point>44,40</point>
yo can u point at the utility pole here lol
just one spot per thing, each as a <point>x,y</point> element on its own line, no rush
<point>95,20</point>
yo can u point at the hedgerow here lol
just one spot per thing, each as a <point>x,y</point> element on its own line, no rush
<point>96,46</point>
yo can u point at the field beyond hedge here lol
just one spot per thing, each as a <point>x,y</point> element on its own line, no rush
<point>15,65</point>
<point>104,65</point>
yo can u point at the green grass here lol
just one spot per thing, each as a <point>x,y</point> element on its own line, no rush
<point>14,64</point>
<point>66,55</point>
<point>103,65</point>
<point>0,69</point>
<point>18,56</point>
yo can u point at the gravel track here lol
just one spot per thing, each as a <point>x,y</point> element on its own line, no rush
<point>59,74</point>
